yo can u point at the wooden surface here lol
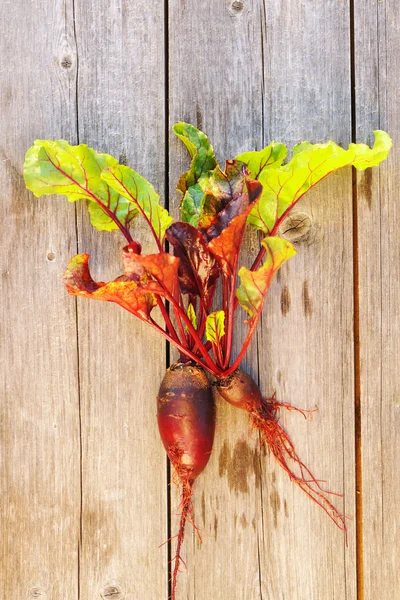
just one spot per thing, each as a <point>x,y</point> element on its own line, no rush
<point>377,47</point>
<point>40,450</point>
<point>85,495</point>
<point>124,500</point>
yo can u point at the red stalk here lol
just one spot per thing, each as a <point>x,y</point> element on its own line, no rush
<point>181,315</point>
<point>166,317</point>
<point>231,312</point>
<point>262,250</point>
<point>213,369</point>
<point>192,331</point>
<point>225,295</point>
<point>231,319</point>
<point>246,343</point>
<point>180,326</point>
<point>201,325</point>
<point>254,322</point>
<point>217,350</point>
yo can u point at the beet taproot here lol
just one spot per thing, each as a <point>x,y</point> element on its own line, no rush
<point>186,421</point>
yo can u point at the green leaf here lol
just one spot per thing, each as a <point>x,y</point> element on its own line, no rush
<point>215,326</point>
<point>203,160</point>
<point>254,284</point>
<point>371,157</point>
<point>283,187</point>
<point>191,205</point>
<point>141,194</point>
<point>191,313</point>
<point>271,157</point>
<point>55,167</point>
<point>201,152</point>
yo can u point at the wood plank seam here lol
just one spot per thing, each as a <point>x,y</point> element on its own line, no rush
<point>167,344</point>
<point>79,552</point>
<point>356,326</point>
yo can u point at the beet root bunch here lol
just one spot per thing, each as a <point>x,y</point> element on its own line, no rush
<point>256,189</point>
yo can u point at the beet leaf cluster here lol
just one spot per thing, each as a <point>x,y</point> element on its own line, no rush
<point>256,189</point>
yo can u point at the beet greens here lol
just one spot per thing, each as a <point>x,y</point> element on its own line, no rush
<point>255,189</point>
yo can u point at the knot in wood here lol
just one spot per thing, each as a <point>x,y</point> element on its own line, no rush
<point>237,6</point>
<point>36,592</point>
<point>51,256</point>
<point>296,227</point>
<point>112,592</point>
<point>66,62</point>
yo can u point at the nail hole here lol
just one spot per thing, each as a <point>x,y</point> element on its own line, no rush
<point>237,6</point>
<point>51,257</point>
<point>66,62</point>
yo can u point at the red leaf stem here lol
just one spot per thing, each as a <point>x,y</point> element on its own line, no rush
<point>242,352</point>
<point>196,337</point>
<point>168,322</point>
<point>214,370</point>
<point>178,318</point>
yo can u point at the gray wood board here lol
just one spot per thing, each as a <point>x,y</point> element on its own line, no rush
<point>39,423</point>
<point>377,46</point>
<point>215,83</point>
<point>308,348</point>
<point>246,73</point>
<point>124,514</point>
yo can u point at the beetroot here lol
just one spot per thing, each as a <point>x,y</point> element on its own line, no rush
<point>186,421</point>
<point>240,390</point>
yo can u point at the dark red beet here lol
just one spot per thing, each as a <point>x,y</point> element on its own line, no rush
<point>240,390</point>
<point>186,420</point>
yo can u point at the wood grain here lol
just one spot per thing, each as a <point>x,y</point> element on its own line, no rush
<point>124,516</point>
<point>308,352</point>
<point>218,89</point>
<point>282,72</point>
<point>39,422</point>
<point>376,65</point>
<point>83,476</point>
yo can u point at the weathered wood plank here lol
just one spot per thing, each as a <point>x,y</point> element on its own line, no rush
<point>39,422</point>
<point>377,46</point>
<point>246,73</point>
<point>307,334</point>
<point>121,111</point>
<point>215,83</point>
